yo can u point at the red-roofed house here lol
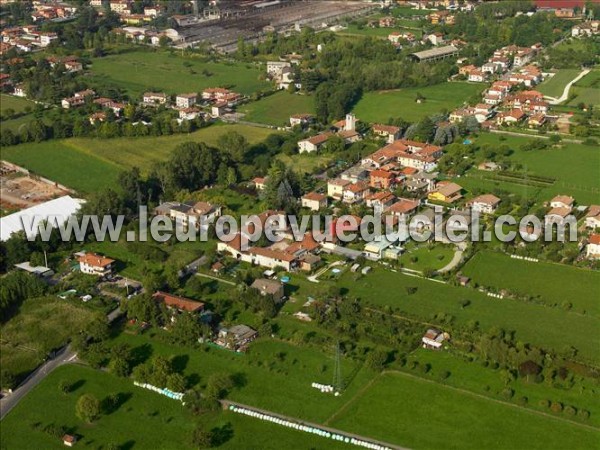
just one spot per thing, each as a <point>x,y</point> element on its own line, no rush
<point>94,264</point>
<point>592,250</point>
<point>179,304</point>
<point>314,201</point>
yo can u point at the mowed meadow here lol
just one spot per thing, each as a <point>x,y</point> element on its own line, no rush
<point>88,164</point>
<point>421,414</point>
<point>380,106</point>
<point>138,71</point>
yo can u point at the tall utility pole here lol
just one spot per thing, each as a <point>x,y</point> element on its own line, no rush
<point>337,370</point>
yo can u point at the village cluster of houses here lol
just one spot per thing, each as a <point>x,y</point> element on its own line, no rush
<point>124,9</point>
<point>502,103</point>
<point>25,38</point>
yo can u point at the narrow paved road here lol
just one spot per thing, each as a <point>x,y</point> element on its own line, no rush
<point>63,356</point>
<point>565,94</point>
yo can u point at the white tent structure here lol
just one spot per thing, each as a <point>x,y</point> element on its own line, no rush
<point>27,220</point>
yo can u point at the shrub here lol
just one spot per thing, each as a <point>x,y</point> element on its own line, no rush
<point>556,407</point>
<point>570,410</point>
<point>522,401</point>
<point>584,414</point>
<point>508,393</point>
<point>444,375</point>
<point>544,403</point>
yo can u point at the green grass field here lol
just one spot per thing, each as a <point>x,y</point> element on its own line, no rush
<point>87,164</point>
<point>276,109</point>
<point>587,95</point>
<point>383,33</point>
<point>422,415</point>
<point>139,71</point>
<point>435,257</point>
<point>17,104</point>
<point>550,283</point>
<point>277,375</point>
<point>380,106</point>
<point>592,79</point>
<point>555,86</point>
<point>574,166</point>
<point>554,328</point>
<point>40,326</point>
<point>143,420</point>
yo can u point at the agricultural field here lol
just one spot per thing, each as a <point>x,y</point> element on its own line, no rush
<point>552,284</point>
<point>17,104</point>
<point>402,408</point>
<point>63,160</point>
<point>555,328</point>
<point>554,86</point>
<point>138,71</point>
<point>305,162</point>
<point>143,419</point>
<point>277,375</point>
<point>380,106</point>
<point>276,109</point>
<point>586,95</point>
<point>40,326</point>
<point>574,166</point>
<point>402,25</point>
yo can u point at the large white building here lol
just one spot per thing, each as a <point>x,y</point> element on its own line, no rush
<point>54,212</point>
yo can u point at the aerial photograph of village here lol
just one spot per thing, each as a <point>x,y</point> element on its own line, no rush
<point>300,224</point>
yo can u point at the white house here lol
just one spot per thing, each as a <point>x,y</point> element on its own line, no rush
<point>592,218</point>
<point>94,264</point>
<point>592,250</point>
<point>314,201</point>
<point>314,143</point>
<point>485,204</point>
<point>186,100</point>
<point>562,201</point>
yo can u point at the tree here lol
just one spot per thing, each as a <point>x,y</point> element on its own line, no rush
<point>87,408</point>
<point>528,368</point>
<point>202,438</point>
<point>234,144</point>
<point>376,360</point>
<point>176,382</point>
<point>64,386</point>
<point>218,385</point>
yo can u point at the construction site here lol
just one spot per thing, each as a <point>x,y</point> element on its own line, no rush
<point>20,189</point>
<point>222,25</point>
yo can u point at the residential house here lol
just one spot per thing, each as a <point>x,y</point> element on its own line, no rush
<point>78,99</point>
<point>446,192</point>
<point>485,204</point>
<point>301,119</point>
<point>433,339</point>
<point>186,100</point>
<point>314,143</point>
<point>355,192</point>
<point>390,132</point>
<point>511,117</point>
<point>403,208</point>
<point>483,112</point>
<point>592,249</point>
<point>335,188</point>
<point>236,338</point>
<point>477,76</point>
<point>190,214</point>
<point>557,215</point>
<point>69,440</point>
<point>155,98</point>
<point>436,38</point>
<point>94,264</point>
<point>380,201</point>
<point>562,201</point>
<point>381,179</point>
<point>178,305</point>
<point>536,120</point>
<point>355,174</point>
<point>275,68</point>
<point>260,183</point>
<point>314,201</point>
<point>592,218</point>
<point>266,287</point>
<point>190,113</point>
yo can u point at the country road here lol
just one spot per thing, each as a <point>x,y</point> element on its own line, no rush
<point>64,356</point>
<point>565,94</point>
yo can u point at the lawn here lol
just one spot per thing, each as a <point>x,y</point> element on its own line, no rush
<point>306,162</point>
<point>17,104</point>
<point>144,419</point>
<point>139,71</point>
<point>554,86</point>
<point>276,109</point>
<point>383,33</point>
<point>87,164</point>
<point>549,283</point>
<point>40,326</point>
<point>574,166</point>
<point>587,95</point>
<point>277,375</point>
<point>592,79</point>
<point>554,328</point>
<point>380,106</point>
<point>423,415</point>
<point>423,256</point>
